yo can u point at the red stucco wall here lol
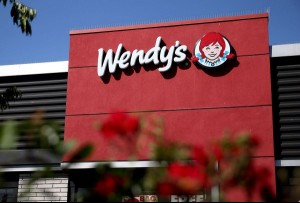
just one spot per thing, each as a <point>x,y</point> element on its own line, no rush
<point>197,105</point>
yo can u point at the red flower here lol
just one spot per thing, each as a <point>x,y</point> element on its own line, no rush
<point>263,174</point>
<point>189,178</point>
<point>107,186</point>
<point>119,124</point>
<point>218,152</point>
<point>236,151</point>
<point>254,140</point>
<point>166,188</point>
<point>179,170</point>
<point>199,156</point>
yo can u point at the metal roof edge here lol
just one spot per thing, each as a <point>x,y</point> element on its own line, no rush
<point>285,50</point>
<point>167,24</point>
<point>34,68</point>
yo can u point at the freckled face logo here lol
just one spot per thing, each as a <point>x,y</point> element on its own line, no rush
<point>212,51</point>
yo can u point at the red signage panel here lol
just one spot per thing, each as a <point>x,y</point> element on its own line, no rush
<point>196,103</point>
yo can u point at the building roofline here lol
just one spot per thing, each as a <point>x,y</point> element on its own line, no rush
<point>34,68</point>
<point>168,24</point>
<point>285,50</point>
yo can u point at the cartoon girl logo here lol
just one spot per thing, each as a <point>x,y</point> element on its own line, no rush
<point>212,50</point>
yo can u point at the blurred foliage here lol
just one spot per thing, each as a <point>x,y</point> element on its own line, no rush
<point>40,133</point>
<point>8,136</point>
<point>10,94</point>
<point>181,168</point>
<point>21,14</point>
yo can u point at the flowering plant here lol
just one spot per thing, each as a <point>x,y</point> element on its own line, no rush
<point>182,169</point>
<point>177,170</point>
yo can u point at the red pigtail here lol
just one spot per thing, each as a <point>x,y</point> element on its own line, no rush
<point>230,56</point>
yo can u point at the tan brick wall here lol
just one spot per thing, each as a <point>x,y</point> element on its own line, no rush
<point>43,190</point>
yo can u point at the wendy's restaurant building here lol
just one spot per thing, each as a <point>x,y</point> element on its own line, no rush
<point>201,76</point>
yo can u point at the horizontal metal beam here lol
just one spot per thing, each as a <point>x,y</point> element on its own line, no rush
<point>114,164</point>
<point>30,168</point>
<point>285,50</point>
<point>287,163</point>
<point>34,68</point>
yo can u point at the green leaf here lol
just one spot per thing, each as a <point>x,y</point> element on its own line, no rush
<point>28,28</point>
<point>22,15</point>
<point>8,136</point>
<point>65,147</point>
<point>10,94</point>
<point>4,2</point>
<point>13,11</point>
<point>82,153</point>
<point>23,24</point>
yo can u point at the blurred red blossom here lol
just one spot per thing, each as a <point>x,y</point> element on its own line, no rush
<point>189,178</point>
<point>166,188</point>
<point>218,152</point>
<point>190,169</point>
<point>199,155</point>
<point>119,123</point>
<point>254,140</point>
<point>108,185</point>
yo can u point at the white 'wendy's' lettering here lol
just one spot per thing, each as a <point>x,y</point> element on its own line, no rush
<point>155,55</point>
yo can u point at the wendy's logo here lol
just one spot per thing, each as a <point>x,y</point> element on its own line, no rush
<point>212,51</point>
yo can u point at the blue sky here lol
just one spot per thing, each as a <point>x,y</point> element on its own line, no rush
<point>55,19</point>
